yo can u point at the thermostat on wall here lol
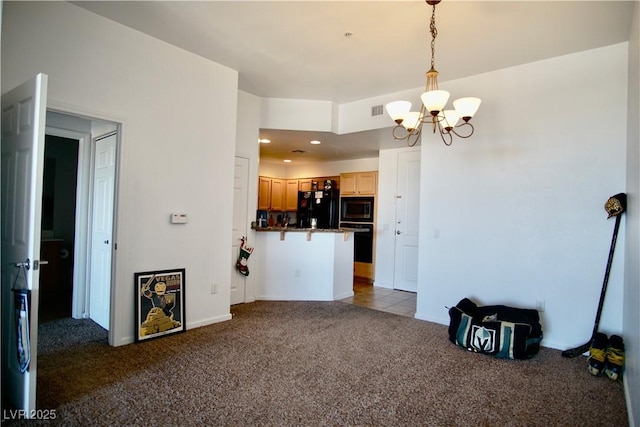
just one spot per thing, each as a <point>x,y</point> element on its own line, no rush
<point>178,218</point>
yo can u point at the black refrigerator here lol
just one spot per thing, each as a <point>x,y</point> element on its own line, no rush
<point>321,204</point>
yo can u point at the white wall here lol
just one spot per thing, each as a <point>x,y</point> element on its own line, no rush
<point>179,130</point>
<point>518,208</point>
<point>631,319</point>
<point>311,170</point>
<point>296,114</point>
<point>356,116</point>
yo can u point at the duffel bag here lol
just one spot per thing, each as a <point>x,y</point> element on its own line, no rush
<point>498,330</point>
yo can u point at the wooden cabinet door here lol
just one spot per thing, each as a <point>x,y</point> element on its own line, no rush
<point>367,183</point>
<point>264,193</point>
<point>277,194</point>
<point>291,195</point>
<point>304,184</point>
<point>348,184</point>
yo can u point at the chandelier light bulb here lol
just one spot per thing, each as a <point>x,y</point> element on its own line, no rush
<point>435,100</point>
<point>398,109</point>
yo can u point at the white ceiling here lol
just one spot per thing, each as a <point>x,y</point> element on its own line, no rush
<point>298,49</point>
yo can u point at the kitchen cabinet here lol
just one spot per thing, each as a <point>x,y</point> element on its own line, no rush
<point>291,195</point>
<point>304,184</point>
<point>358,184</point>
<point>264,193</point>
<point>277,194</point>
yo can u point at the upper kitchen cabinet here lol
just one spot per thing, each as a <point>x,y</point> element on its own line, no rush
<point>276,194</point>
<point>304,184</point>
<point>291,195</point>
<point>264,193</point>
<point>359,183</point>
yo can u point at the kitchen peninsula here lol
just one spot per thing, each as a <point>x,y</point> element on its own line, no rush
<point>303,264</point>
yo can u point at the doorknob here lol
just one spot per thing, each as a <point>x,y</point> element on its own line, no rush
<point>398,232</point>
<point>38,263</point>
<point>106,242</point>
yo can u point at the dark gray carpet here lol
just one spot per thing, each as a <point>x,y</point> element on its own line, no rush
<point>317,363</point>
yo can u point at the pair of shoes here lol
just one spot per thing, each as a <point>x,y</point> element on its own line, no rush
<point>606,355</point>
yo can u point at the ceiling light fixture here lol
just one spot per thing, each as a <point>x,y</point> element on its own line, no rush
<point>433,102</point>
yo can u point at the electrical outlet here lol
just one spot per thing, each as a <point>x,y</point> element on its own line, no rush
<point>540,304</point>
<point>214,288</point>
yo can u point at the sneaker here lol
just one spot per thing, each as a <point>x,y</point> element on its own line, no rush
<point>597,354</point>
<point>615,357</point>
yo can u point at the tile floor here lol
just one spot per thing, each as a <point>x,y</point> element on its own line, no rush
<point>389,300</point>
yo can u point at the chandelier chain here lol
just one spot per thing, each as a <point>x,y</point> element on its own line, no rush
<point>434,34</point>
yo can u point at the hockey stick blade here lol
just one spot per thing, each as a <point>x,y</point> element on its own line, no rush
<point>577,351</point>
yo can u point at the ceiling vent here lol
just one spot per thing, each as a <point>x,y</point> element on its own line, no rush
<point>377,110</point>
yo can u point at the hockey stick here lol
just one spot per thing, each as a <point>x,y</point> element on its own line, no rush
<point>577,351</point>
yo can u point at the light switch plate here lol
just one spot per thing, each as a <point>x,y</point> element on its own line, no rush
<point>178,218</point>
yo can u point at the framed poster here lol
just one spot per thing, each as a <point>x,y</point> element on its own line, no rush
<point>159,303</point>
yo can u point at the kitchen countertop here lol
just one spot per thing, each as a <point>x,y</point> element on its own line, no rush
<point>309,230</point>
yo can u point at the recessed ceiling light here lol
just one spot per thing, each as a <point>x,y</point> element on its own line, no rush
<point>287,161</point>
<point>264,141</point>
<point>315,142</point>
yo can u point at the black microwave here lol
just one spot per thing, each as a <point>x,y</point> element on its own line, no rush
<point>356,209</point>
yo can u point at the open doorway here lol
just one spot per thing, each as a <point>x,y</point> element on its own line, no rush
<point>58,226</point>
<point>77,221</point>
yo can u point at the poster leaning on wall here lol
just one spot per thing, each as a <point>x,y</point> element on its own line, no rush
<point>159,303</point>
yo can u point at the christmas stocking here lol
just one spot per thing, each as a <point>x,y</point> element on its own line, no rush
<point>241,264</point>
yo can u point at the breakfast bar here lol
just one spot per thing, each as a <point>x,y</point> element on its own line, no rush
<point>303,264</point>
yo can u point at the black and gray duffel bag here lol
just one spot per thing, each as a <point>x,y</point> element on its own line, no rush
<point>498,330</point>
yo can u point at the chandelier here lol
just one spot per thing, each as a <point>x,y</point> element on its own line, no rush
<point>409,123</point>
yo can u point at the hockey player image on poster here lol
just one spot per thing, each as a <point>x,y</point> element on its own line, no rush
<point>160,303</point>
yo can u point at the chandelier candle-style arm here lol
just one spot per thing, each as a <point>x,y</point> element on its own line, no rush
<point>409,123</point>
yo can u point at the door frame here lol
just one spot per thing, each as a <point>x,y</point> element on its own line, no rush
<point>84,195</point>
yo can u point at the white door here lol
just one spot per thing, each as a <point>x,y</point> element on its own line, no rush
<point>23,123</point>
<point>240,205</point>
<point>407,221</point>
<point>102,229</point>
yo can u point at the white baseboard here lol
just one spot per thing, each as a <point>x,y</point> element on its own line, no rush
<point>209,321</point>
